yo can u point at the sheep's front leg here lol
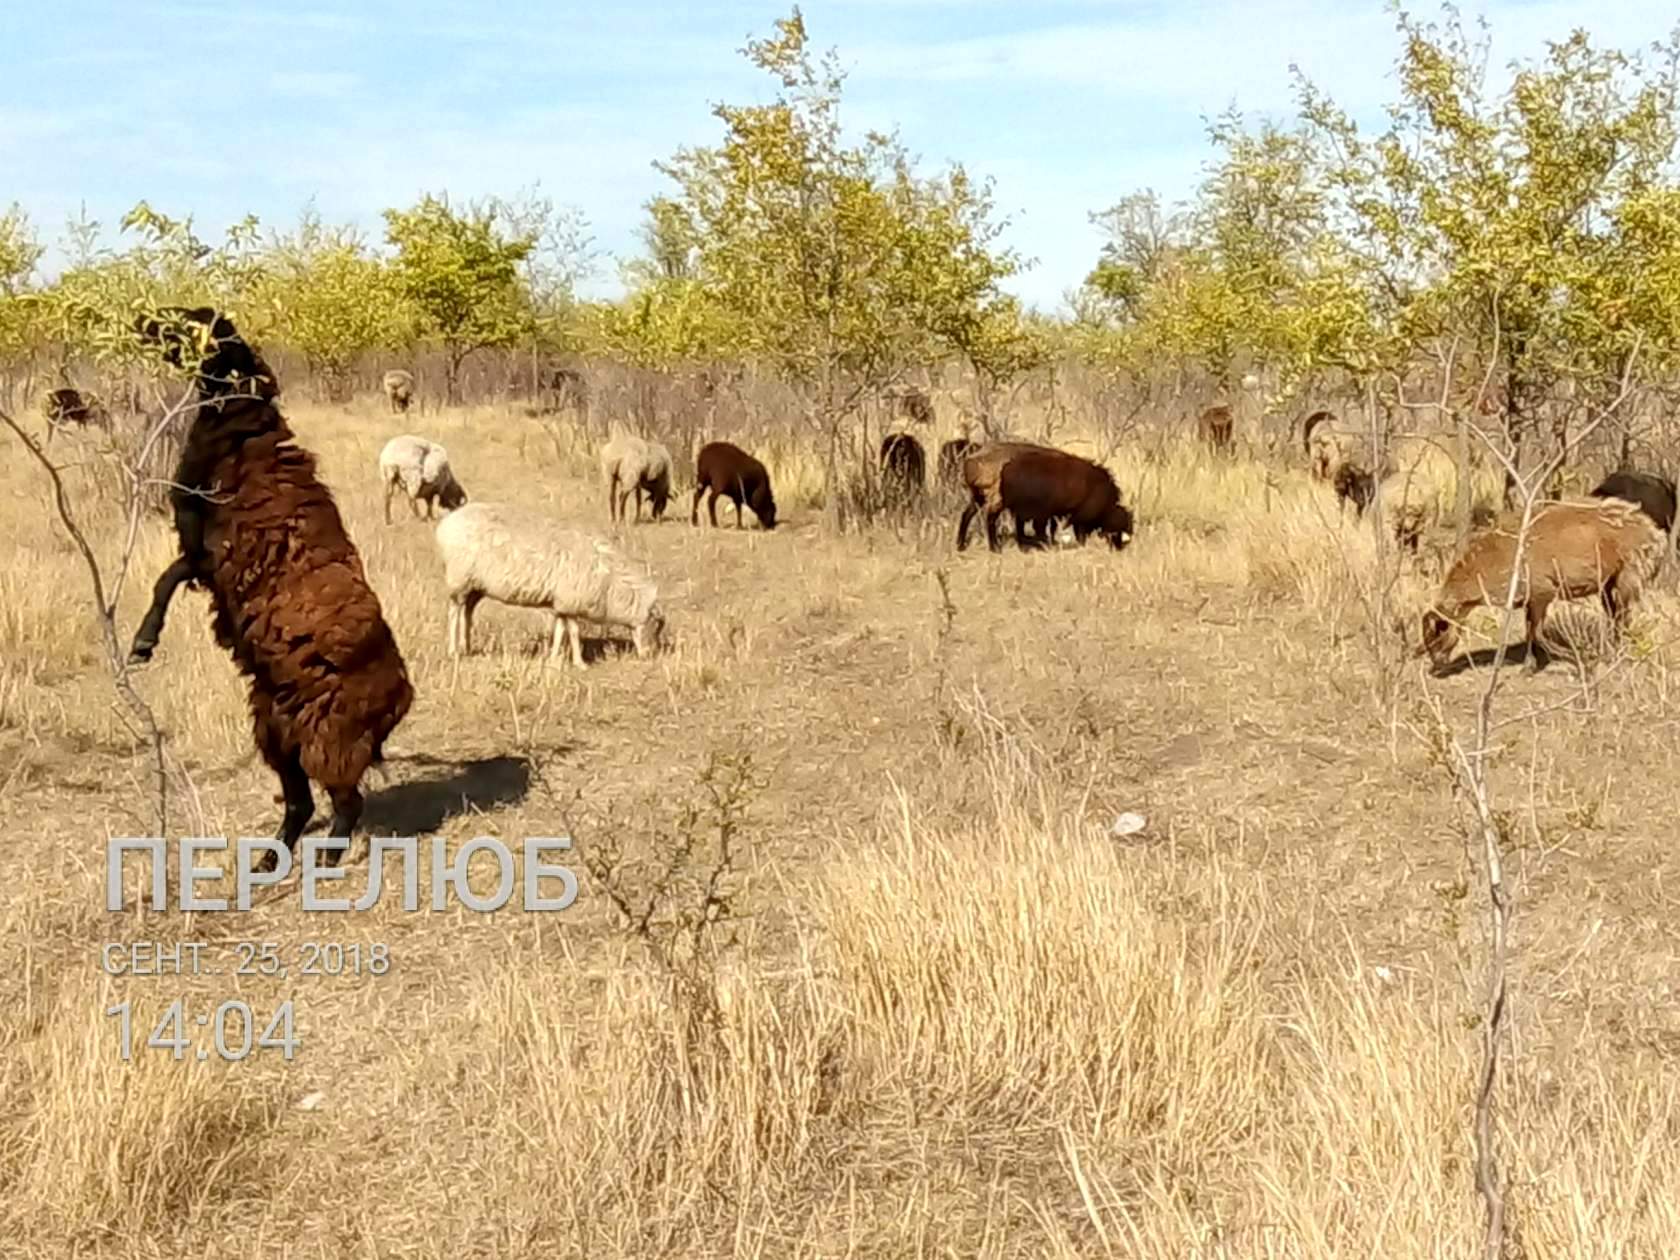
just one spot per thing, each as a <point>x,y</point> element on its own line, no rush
<point>575,633</point>
<point>151,626</point>
<point>1538,656</point>
<point>557,637</point>
<point>694,513</point>
<point>390,488</point>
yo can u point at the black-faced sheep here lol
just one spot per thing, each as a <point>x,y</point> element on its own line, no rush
<point>529,561</point>
<point>289,598</point>
<point>1652,493</point>
<point>419,470</point>
<point>1215,427</point>
<point>1039,487</point>
<point>632,465</point>
<point>562,388</point>
<point>399,390</point>
<point>723,468</point>
<point>1608,547</point>
<point>903,468</point>
<point>68,407</point>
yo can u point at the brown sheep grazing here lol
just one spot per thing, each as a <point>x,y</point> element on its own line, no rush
<point>726,469</point>
<point>1654,494</point>
<point>1039,485</point>
<point>951,456</point>
<point>1215,427</point>
<point>1039,488</point>
<point>66,407</point>
<point>1608,548</point>
<point>289,597</point>
<point>903,468</point>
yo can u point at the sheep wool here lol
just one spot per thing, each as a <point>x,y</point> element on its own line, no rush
<point>527,560</point>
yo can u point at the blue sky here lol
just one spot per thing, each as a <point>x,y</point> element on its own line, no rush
<point>255,105</point>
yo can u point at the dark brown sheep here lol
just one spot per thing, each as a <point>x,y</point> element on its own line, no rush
<point>66,407</point>
<point>1215,427</point>
<point>289,598</point>
<point>726,469</point>
<point>903,468</point>
<point>1038,486</point>
<point>1652,493</point>
<point>1608,547</point>
<point>1356,486</point>
<point>951,456</point>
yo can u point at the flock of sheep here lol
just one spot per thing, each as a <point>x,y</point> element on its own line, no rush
<point>327,683</point>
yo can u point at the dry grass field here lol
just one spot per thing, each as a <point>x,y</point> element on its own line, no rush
<point>947,1012</point>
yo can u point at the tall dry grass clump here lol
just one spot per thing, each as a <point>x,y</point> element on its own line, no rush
<point>102,1148</point>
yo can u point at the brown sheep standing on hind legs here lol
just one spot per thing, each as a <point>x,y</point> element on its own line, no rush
<point>289,598</point>
<point>1608,547</point>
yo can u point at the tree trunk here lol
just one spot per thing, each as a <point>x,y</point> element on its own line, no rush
<point>1462,503</point>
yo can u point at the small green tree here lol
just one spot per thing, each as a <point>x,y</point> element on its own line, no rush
<point>562,255</point>
<point>1513,224</point>
<point>330,300</point>
<point>830,261</point>
<point>462,276</point>
<point>20,251</point>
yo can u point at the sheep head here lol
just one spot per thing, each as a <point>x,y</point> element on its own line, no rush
<point>1117,526</point>
<point>227,363</point>
<point>451,495</point>
<point>1438,637</point>
<point>763,505</point>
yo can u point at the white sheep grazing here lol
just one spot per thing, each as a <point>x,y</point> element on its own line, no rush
<point>631,464</point>
<point>421,470</point>
<point>531,561</point>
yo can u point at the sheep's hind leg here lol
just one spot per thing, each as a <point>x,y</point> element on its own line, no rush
<point>300,808</point>
<point>347,812</point>
<point>151,626</point>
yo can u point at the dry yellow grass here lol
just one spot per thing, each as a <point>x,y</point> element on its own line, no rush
<point>956,1015</point>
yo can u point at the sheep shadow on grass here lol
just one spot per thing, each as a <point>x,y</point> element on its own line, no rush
<point>1483,658</point>
<point>424,805</point>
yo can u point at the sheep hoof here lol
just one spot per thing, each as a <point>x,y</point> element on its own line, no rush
<point>140,653</point>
